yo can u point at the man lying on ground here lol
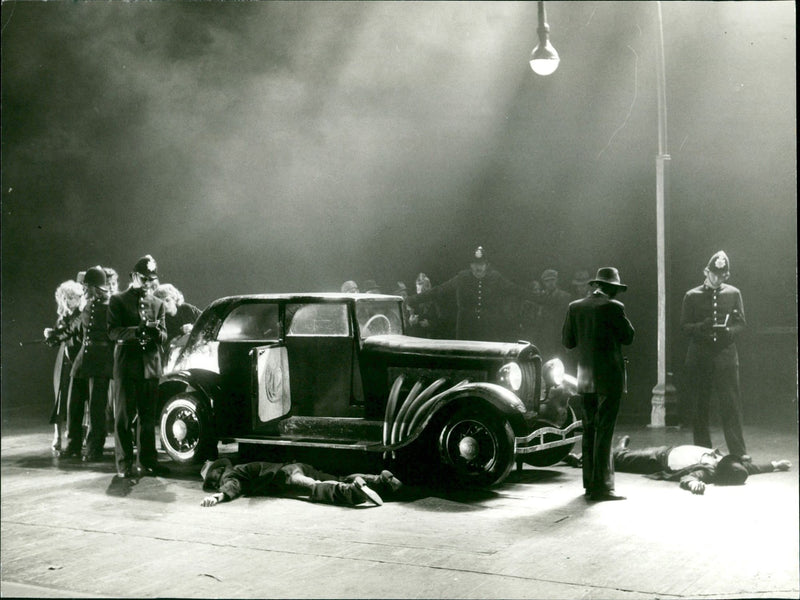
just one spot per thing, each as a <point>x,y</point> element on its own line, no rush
<point>274,479</point>
<point>692,466</point>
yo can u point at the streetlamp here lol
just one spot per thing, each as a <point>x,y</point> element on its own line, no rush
<point>664,390</point>
<point>544,58</point>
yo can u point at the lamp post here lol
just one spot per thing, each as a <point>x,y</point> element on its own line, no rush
<point>544,58</point>
<point>664,390</point>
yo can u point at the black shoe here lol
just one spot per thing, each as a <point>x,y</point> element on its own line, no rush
<point>93,457</point>
<point>573,460</point>
<point>623,442</point>
<point>155,470</point>
<point>127,473</point>
<point>70,453</point>
<point>606,497</point>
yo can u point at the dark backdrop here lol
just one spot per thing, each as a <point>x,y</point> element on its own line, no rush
<point>288,146</point>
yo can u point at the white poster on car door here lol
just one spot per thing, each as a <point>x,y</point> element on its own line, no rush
<point>274,399</point>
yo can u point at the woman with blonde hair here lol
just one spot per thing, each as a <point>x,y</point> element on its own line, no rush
<point>67,336</point>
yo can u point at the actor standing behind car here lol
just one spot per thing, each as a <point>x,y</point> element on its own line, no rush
<point>92,370</point>
<point>712,315</point>
<point>597,327</point>
<point>480,293</point>
<point>136,324</point>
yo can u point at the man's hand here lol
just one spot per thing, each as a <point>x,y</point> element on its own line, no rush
<point>781,465</point>
<point>186,328</point>
<point>697,487</point>
<point>212,500</point>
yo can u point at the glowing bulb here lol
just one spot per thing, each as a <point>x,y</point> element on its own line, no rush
<point>544,58</point>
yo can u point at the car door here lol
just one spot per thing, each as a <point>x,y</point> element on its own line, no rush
<point>320,347</point>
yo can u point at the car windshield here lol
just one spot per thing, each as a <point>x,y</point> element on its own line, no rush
<point>378,317</point>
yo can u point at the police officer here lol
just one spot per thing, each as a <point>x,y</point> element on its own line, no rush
<point>136,323</point>
<point>92,370</point>
<point>480,293</point>
<point>712,315</point>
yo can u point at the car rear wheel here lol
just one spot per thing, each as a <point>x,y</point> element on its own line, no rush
<point>186,433</point>
<point>477,447</point>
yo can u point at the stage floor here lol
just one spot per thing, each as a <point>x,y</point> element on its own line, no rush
<point>75,530</point>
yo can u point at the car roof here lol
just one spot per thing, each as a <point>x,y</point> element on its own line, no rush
<point>308,297</point>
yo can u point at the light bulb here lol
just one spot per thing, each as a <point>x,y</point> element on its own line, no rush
<point>544,58</point>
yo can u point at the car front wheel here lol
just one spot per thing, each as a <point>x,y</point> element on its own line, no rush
<point>186,433</point>
<point>477,447</point>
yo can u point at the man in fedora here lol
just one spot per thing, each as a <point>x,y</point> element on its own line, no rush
<point>712,316</point>
<point>136,323</point>
<point>596,326</point>
<point>228,482</point>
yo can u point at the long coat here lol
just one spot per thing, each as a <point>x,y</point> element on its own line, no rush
<point>127,312</point>
<point>598,328</point>
<point>96,356</point>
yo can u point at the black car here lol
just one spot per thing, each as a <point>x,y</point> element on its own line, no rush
<point>335,372</point>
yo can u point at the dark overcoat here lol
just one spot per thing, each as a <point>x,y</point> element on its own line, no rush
<point>96,356</point>
<point>597,326</point>
<point>128,311</point>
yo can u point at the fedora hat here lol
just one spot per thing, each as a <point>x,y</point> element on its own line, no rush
<point>610,276</point>
<point>208,469</point>
<point>730,471</point>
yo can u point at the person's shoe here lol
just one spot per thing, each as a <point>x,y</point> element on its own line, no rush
<point>605,497</point>
<point>155,470</point>
<point>55,449</point>
<point>623,442</point>
<point>366,494</point>
<point>70,453</point>
<point>573,460</point>
<point>389,482</point>
<point>93,456</point>
<point>127,473</point>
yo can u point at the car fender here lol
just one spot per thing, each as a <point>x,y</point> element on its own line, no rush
<point>421,408</point>
<point>206,383</point>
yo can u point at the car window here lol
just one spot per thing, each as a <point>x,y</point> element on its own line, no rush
<point>317,319</point>
<point>379,317</point>
<point>253,322</point>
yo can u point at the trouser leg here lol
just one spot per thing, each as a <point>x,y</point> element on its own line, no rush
<point>145,432</point>
<point>78,394</point>
<point>589,419</point>
<point>124,409</point>
<point>726,382</point>
<point>699,389</point>
<point>98,399</point>
<point>603,467</point>
<point>643,461</point>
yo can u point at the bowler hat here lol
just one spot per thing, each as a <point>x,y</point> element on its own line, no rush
<point>548,274</point>
<point>719,263</point>
<point>609,276</point>
<point>208,472</point>
<point>146,267</point>
<point>372,287</point>
<point>96,277</point>
<point>730,471</point>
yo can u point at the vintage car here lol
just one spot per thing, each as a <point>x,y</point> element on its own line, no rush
<point>336,372</point>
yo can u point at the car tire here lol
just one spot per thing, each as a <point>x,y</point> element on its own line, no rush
<point>185,429</point>
<point>476,447</point>
<point>551,456</point>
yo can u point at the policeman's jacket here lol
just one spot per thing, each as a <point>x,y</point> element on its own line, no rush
<point>136,353</point>
<point>598,328</point>
<point>702,308</point>
<point>96,356</point>
<point>479,302</point>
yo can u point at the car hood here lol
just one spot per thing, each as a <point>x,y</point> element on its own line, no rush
<point>403,344</point>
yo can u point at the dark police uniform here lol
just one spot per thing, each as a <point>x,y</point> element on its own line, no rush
<point>91,374</point>
<point>479,302</point>
<point>597,327</point>
<point>137,368</point>
<point>712,360</point>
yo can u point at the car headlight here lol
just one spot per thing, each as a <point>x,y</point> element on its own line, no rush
<point>553,373</point>
<point>510,375</point>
